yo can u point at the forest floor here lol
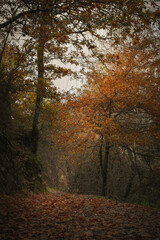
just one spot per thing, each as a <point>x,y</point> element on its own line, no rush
<point>68,216</point>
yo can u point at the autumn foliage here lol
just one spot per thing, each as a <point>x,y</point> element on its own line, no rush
<point>121,101</point>
<point>64,216</point>
<point>118,110</point>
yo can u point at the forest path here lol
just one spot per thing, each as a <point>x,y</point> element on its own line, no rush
<point>67,216</point>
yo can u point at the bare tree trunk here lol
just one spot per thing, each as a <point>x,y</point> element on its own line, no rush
<point>5,104</point>
<point>134,171</point>
<point>39,97</point>
<point>104,166</point>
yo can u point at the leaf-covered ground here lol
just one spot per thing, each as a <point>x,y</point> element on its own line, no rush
<point>66,216</point>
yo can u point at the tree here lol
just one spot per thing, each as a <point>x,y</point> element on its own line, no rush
<point>120,105</point>
<point>12,80</point>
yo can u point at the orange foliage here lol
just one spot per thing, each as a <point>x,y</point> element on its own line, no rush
<point>66,216</point>
<point>121,103</point>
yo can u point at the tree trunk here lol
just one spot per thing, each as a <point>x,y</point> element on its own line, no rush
<point>104,166</point>
<point>5,102</point>
<point>5,114</point>
<point>39,96</point>
<point>129,185</point>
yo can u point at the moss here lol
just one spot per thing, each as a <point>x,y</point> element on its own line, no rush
<point>146,200</point>
<point>99,197</point>
<point>20,171</point>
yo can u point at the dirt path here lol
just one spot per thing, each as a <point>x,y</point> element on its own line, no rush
<point>65,216</point>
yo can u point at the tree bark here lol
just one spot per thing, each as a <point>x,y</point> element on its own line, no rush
<point>5,103</point>
<point>104,166</point>
<point>39,96</point>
